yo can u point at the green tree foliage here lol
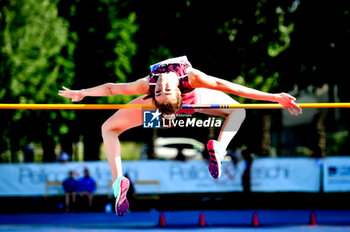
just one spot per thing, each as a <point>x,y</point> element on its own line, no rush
<point>33,37</point>
<point>105,47</point>
<point>123,27</point>
<point>36,50</point>
<point>121,33</point>
<point>259,34</point>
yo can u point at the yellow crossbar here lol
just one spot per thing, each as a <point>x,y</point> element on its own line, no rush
<point>134,106</point>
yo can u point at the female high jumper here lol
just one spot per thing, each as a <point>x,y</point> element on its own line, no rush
<point>170,84</point>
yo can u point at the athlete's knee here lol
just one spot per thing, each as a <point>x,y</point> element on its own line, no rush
<point>107,128</point>
<point>104,129</point>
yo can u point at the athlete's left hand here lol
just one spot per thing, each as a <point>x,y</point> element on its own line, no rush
<point>288,102</point>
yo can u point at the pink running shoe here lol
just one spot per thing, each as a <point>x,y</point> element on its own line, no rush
<point>216,155</point>
<point>121,187</point>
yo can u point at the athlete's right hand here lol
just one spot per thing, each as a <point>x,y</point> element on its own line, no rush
<point>75,95</point>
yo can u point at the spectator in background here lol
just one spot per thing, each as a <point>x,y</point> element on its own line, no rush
<point>28,152</point>
<point>70,185</point>
<point>235,154</point>
<point>63,157</point>
<point>246,177</point>
<point>87,186</point>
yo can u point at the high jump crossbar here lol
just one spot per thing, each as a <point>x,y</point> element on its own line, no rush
<point>185,106</point>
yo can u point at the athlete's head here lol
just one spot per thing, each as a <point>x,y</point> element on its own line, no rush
<point>167,95</point>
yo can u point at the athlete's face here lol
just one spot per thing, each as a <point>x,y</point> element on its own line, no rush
<point>166,88</point>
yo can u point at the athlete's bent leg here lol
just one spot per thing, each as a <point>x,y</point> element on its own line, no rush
<point>121,121</point>
<point>233,121</point>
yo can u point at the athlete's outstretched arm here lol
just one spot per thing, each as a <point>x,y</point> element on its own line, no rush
<point>139,86</point>
<point>199,79</point>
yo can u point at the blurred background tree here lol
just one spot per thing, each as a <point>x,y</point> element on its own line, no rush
<point>104,51</point>
<point>36,58</point>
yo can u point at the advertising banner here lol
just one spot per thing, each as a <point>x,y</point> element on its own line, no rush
<point>267,175</point>
<point>336,174</point>
<point>286,175</point>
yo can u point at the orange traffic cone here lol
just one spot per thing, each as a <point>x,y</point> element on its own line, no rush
<point>255,219</point>
<point>202,220</point>
<point>162,220</point>
<point>313,219</point>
